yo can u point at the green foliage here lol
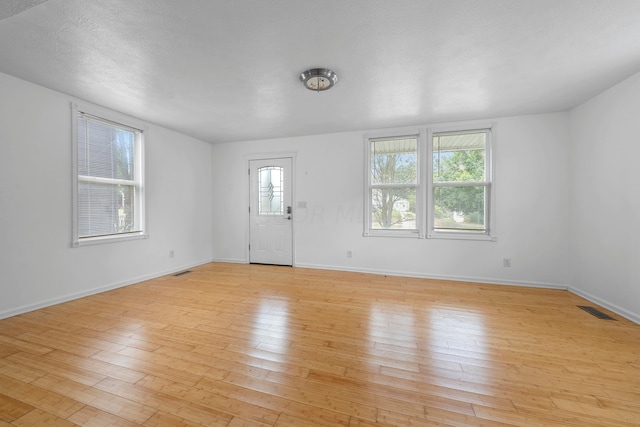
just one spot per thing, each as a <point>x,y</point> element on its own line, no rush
<point>460,166</point>
<point>456,166</point>
<point>392,171</point>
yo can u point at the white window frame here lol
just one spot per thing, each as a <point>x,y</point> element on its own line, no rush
<point>140,218</point>
<point>369,186</point>
<point>489,234</point>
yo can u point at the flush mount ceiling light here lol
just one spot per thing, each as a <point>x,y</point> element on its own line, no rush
<point>318,79</point>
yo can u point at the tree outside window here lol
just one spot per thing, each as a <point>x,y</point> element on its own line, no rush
<point>460,185</point>
<point>394,180</point>
<point>448,196</point>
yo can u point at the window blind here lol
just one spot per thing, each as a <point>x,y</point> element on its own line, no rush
<point>107,186</point>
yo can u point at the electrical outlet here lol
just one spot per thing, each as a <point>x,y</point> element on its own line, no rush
<point>506,262</point>
<point>349,254</point>
<point>171,253</point>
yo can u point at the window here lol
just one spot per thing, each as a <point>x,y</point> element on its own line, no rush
<point>271,188</point>
<point>108,178</point>
<point>453,187</point>
<point>392,185</point>
<point>460,183</point>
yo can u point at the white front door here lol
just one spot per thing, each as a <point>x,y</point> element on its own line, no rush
<point>270,212</point>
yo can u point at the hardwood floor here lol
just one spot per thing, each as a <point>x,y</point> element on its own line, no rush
<point>250,345</point>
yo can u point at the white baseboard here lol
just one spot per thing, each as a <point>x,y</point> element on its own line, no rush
<point>634,317</point>
<point>486,280</point>
<point>69,297</point>
<point>231,260</point>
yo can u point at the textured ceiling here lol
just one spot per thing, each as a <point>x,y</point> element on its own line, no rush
<point>10,8</point>
<point>227,70</point>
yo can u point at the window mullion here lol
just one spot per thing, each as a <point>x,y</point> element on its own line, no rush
<point>384,186</point>
<point>461,184</point>
<point>100,180</point>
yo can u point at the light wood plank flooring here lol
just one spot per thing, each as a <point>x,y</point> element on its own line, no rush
<point>251,345</point>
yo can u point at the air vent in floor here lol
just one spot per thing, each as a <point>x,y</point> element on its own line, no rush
<point>182,273</point>
<point>595,312</point>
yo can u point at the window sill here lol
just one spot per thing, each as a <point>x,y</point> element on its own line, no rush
<point>454,235</point>
<point>108,239</point>
<point>412,234</point>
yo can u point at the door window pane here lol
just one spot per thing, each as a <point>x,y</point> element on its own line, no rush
<point>270,190</point>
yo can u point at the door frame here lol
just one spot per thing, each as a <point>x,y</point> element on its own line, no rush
<point>247,188</point>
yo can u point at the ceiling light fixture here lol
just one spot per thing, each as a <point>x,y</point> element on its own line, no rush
<point>318,79</point>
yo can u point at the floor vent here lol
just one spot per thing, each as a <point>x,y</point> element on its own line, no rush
<point>182,273</point>
<point>595,312</point>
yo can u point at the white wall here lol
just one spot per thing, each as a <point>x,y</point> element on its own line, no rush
<point>38,266</point>
<point>532,189</point>
<point>563,181</point>
<point>605,203</point>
